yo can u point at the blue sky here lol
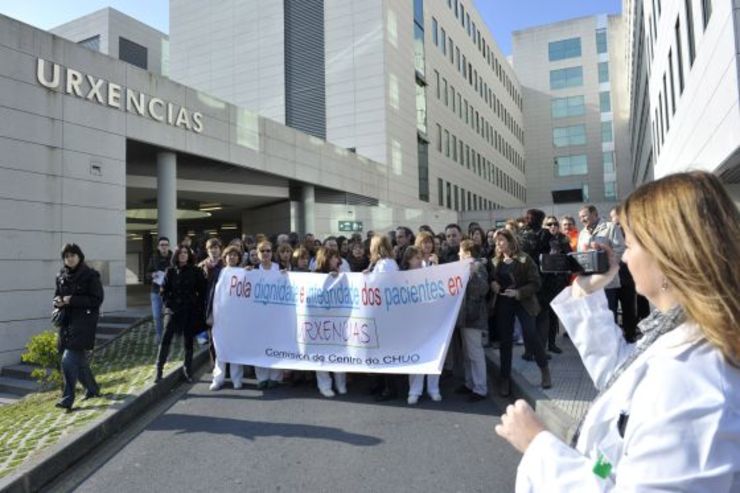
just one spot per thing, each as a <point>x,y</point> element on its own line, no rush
<point>502,16</point>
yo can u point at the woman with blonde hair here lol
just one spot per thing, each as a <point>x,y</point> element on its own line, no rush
<point>385,387</point>
<point>667,416</point>
<point>284,254</point>
<point>426,246</point>
<point>381,255</point>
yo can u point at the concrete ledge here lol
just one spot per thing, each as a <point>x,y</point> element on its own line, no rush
<point>55,460</point>
<point>555,419</point>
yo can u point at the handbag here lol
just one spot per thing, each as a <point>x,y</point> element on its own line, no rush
<point>58,317</point>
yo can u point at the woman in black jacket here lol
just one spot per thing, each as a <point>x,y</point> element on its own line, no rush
<point>183,295</point>
<point>78,296</point>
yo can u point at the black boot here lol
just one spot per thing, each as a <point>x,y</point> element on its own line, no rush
<point>158,376</point>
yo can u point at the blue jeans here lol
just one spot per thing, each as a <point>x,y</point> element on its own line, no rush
<point>157,314</point>
<point>76,367</point>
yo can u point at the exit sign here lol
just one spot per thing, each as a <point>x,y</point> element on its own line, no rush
<point>350,226</point>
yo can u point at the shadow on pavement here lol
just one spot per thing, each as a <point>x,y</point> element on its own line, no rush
<point>249,430</point>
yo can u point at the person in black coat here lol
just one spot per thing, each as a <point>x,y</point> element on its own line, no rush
<point>183,295</point>
<point>78,296</point>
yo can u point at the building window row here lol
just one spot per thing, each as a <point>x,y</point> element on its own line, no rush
<point>457,198</point>
<point>485,50</point>
<point>467,113</point>
<point>564,49</point>
<point>458,151</point>
<point>470,74</point>
<point>566,77</point>
<point>573,135</point>
<point>568,106</point>
<point>675,70</point>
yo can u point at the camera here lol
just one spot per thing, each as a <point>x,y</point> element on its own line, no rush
<point>590,262</point>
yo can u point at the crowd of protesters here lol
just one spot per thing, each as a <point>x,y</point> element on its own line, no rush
<point>507,299</point>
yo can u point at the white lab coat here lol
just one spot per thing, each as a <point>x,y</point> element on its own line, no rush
<point>683,402</point>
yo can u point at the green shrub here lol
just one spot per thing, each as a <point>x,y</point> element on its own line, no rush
<point>42,350</point>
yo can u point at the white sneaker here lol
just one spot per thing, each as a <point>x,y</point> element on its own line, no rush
<point>237,385</point>
<point>327,393</point>
<point>435,397</point>
<point>215,386</point>
<point>413,400</point>
<point>342,390</point>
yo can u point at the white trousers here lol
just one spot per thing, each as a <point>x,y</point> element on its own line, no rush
<point>324,381</point>
<point>265,374</point>
<point>474,360</point>
<point>416,384</point>
<point>219,373</point>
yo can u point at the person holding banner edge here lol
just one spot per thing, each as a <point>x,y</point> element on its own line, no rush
<point>327,262</point>
<point>267,378</point>
<point>472,320</point>
<point>413,259</point>
<point>667,417</point>
<point>231,257</point>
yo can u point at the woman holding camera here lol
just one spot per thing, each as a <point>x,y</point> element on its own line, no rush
<point>667,417</point>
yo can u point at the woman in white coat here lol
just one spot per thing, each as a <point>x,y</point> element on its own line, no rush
<point>667,417</point>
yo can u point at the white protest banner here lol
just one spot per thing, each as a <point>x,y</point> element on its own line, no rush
<point>394,322</point>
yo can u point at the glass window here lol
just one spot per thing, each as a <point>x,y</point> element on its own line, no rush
<point>569,136</point>
<point>566,77</point>
<point>679,56</point>
<point>440,192</point>
<point>419,12</point>
<point>566,48</point>
<point>610,190</point>
<point>439,137</point>
<point>436,81</point>
<point>131,52</point>
<point>571,165</point>
<point>570,106</point>
<point>609,163</point>
<point>91,43</point>
<point>443,39</point>
<point>601,44</point>
<point>604,72</point>
<point>447,143</point>
<point>690,31</point>
<point>706,10</point>
<point>435,34</point>
<point>607,133</point>
<point>449,195</point>
<point>605,102</point>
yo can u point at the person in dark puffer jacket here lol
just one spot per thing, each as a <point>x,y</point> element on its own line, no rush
<point>78,294</point>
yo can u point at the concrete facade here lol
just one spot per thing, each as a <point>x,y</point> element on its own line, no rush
<point>110,25</point>
<point>689,53</point>
<point>373,92</point>
<point>604,101</point>
<point>70,155</point>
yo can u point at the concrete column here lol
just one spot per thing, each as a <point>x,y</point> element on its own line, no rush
<point>167,196</point>
<point>308,199</point>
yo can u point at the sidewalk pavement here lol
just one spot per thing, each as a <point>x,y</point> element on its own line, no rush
<point>562,406</point>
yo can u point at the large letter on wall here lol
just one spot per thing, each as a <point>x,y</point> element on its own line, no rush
<point>41,74</point>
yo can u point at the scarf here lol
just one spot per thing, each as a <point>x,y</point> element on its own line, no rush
<point>654,326</point>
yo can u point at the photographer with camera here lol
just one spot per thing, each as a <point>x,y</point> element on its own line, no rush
<point>597,230</point>
<point>667,416</point>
